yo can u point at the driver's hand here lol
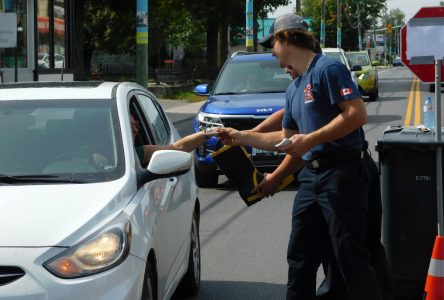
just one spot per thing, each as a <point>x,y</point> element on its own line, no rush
<point>99,160</point>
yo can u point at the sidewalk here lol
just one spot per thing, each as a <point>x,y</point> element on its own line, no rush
<point>179,110</point>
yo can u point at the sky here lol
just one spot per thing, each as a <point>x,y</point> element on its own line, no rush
<point>409,7</point>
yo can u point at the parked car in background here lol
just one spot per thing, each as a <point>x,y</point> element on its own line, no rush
<point>338,54</point>
<point>76,227</point>
<point>368,76</point>
<point>43,60</point>
<point>249,88</point>
<point>397,61</point>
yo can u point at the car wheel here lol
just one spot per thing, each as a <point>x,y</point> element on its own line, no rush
<point>205,179</point>
<point>375,95</point>
<point>189,286</point>
<point>149,292</point>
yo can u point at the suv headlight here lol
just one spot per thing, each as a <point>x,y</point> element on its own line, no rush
<point>102,251</point>
<point>207,121</point>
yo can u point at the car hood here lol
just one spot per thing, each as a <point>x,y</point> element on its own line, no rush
<point>247,104</point>
<point>49,214</point>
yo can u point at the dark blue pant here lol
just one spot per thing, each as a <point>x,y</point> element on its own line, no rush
<point>333,287</point>
<point>332,200</point>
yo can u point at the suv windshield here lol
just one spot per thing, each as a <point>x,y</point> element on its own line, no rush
<point>65,140</point>
<point>249,77</point>
<point>358,59</point>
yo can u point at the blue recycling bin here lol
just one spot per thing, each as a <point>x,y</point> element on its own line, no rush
<point>407,160</point>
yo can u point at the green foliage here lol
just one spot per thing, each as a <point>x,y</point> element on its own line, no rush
<point>110,25</point>
<point>351,16</point>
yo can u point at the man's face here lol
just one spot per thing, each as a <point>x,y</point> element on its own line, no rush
<point>279,50</point>
<point>134,127</point>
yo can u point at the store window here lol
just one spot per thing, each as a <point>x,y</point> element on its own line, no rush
<point>16,57</point>
<point>51,37</point>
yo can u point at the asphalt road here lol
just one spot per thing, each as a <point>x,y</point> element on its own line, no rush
<point>244,249</point>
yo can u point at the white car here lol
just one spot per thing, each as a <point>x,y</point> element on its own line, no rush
<point>43,61</point>
<point>338,54</point>
<point>76,229</point>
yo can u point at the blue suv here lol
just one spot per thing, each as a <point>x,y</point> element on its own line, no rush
<point>249,88</point>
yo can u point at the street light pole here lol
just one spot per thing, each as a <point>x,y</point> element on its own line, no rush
<point>359,29</point>
<point>338,25</point>
<point>249,26</point>
<point>142,42</point>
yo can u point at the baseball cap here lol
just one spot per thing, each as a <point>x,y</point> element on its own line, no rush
<point>286,21</point>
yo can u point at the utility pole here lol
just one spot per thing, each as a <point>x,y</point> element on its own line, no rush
<point>323,25</point>
<point>142,43</point>
<point>359,29</point>
<point>249,26</point>
<point>338,25</point>
<point>298,7</point>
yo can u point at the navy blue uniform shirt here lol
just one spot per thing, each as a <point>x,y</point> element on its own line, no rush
<point>312,102</point>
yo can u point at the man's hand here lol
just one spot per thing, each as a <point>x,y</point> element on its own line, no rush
<point>267,187</point>
<point>229,136</point>
<point>298,146</point>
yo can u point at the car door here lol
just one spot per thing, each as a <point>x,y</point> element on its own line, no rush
<point>173,227</point>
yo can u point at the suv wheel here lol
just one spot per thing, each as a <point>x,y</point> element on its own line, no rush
<point>205,179</point>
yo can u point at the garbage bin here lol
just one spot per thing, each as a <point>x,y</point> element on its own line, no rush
<point>407,159</point>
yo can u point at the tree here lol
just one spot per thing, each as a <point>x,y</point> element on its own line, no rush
<point>351,17</point>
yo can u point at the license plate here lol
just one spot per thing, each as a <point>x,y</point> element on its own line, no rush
<point>260,152</point>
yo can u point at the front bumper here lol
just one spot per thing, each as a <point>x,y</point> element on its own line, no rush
<point>367,85</point>
<point>121,282</point>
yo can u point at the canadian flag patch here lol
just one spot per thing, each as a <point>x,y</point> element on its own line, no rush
<point>346,91</point>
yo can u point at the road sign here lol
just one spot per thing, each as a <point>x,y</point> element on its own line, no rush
<point>424,71</point>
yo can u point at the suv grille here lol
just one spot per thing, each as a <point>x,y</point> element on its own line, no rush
<point>241,123</point>
<point>10,274</point>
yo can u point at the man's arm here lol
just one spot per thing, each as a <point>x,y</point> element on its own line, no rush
<point>271,181</point>
<point>352,117</point>
<point>271,123</point>
<point>186,144</point>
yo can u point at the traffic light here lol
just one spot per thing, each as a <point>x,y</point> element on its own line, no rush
<point>389,28</point>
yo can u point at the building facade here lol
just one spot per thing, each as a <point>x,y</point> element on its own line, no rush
<point>48,34</point>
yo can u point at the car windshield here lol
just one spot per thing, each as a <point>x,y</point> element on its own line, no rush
<point>250,77</point>
<point>358,59</point>
<point>60,140</point>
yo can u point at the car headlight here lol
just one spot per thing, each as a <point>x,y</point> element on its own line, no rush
<point>365,75</point>
<point>207,121</point>
<point>102,251</point>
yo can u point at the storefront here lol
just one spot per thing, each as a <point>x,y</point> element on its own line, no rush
<point>44,35</point>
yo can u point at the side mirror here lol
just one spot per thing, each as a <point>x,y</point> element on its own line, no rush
<point>201,90</point>
<point>164,164</point>
<point>356,68</point>
<point>376,63</point>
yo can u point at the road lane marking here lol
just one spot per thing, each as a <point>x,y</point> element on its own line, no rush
<point>417,104</point>
<point>414,102</point>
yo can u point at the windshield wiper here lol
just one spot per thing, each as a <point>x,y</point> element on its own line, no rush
<point>35,178</point>
<point>269,92</point>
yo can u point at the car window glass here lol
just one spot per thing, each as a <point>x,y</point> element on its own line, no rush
<point>336,56</point>
<point>252,77</point>
<point>60,138</point>
<point>359,59</point>
<point>158,124</point>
